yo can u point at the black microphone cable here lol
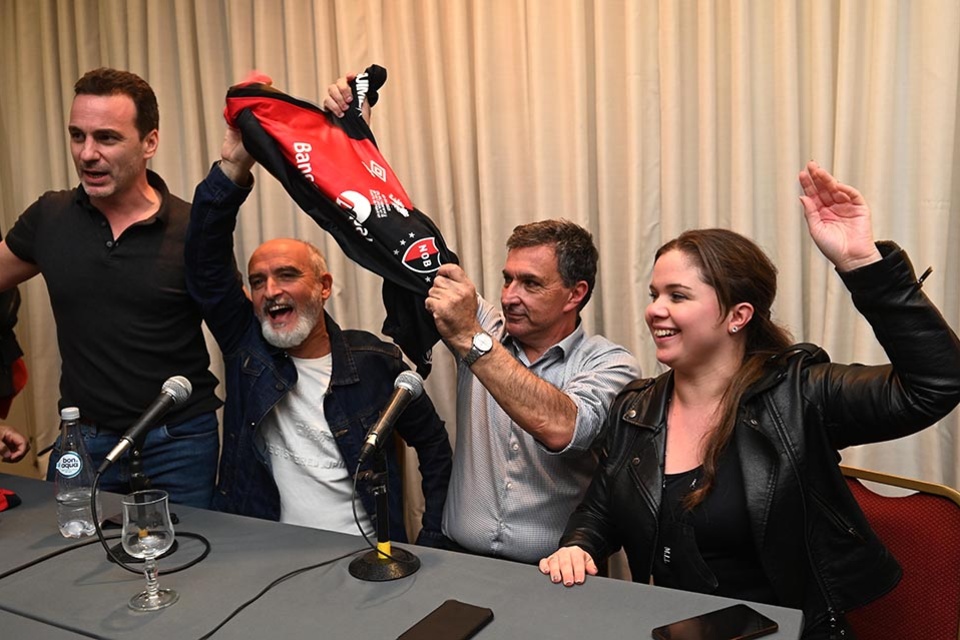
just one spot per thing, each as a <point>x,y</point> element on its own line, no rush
<point>53,554</point>
<point>115,558</point>
<point>296,572</point>
<point>102,539</point>
<point>273,584</point>
<point>233,614</point>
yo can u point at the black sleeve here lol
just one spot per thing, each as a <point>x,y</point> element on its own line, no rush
<point>9,347</point>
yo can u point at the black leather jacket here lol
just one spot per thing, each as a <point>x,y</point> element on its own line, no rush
<point>813,541</point>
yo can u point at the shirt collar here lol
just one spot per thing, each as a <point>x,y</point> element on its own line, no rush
<point>560,350</point>
<point>153,179</point>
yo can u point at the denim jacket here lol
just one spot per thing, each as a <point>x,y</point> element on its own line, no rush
<point>258,375</point>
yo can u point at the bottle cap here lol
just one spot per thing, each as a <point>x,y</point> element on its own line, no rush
<point>70,413</point>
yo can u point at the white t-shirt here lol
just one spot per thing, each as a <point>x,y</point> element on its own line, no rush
<point>315,485</point>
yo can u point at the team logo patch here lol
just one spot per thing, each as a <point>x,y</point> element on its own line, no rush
<point>422,256</point>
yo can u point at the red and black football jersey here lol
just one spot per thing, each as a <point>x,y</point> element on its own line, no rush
<point>334,171</point>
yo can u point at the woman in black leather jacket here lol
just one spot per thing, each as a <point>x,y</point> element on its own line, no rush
<point>722,474</point>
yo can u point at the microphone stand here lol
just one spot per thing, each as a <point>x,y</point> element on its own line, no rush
<point>138,482</point>
<point>138,479</point>
<point>387,562</point>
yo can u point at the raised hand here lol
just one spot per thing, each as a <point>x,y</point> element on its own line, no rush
<point>339,95</point>
<point>452,300</point>
<point>235,160</point>
<point>838,219</point>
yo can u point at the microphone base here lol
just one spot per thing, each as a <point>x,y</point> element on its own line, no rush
<point>373,567</point>
<point>126,558</point>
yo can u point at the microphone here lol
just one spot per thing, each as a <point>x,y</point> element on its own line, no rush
<point>175,391</point>
<point>407,387</point>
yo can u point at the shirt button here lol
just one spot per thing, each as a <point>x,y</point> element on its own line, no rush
<point>635,461</point>
<point>279,386</point>
<point>516,447</point>
<point>509,485</point>
<point>110,243</point>
<point>632,413</point>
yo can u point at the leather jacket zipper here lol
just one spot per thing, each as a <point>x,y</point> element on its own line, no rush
<point>645,492</point>
<point>837,519</point>
<point>795,467</point>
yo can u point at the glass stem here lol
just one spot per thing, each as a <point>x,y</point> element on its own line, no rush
<point>150,571</point>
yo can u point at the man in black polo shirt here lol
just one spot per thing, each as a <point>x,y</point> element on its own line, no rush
<point>111,253</point>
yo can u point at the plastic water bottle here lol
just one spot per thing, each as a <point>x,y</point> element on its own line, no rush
<point>74,480</point>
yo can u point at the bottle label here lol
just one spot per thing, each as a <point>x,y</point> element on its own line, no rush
<point>69,464</point>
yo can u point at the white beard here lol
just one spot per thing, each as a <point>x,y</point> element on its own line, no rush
<point>306,320</point>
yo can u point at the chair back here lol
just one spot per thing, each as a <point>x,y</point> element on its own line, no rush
<point>922,531</point>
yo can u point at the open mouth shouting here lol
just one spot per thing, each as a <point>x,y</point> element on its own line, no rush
<point>280,312</point>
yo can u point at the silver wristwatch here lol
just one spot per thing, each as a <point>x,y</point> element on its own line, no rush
<point>482,343</point>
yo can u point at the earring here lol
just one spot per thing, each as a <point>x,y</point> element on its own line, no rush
<point>734,329</point>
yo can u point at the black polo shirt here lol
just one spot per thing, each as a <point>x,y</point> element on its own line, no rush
<point>125,322</point>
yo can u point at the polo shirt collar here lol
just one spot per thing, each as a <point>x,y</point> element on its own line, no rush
<point>153,179</point>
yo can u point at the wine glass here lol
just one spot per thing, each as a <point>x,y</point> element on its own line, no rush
<point>147,534</point>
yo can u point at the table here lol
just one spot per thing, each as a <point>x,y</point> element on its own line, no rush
<point>14,627</point>
<point>83,592</point>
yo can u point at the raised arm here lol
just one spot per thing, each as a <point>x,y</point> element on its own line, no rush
<point>211,271</point>
<point>547,413</point>
<point>864,404</point>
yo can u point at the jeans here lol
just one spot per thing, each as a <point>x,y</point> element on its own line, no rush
<point>180,458</point>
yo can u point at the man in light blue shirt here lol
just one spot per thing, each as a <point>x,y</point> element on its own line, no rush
<point>533,390</point>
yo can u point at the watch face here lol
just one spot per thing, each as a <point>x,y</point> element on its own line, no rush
<point>483,341</point>
<point>480,345</point>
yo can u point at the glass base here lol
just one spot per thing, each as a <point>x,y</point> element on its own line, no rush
<point>143,601</point>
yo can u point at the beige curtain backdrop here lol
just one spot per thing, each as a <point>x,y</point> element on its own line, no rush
<point>635,118</point>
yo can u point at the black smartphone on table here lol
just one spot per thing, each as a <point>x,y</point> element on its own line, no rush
<point>738,622</point>
<point>452,620</point>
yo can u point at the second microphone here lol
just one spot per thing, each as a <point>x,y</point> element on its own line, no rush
<point>407,388</point>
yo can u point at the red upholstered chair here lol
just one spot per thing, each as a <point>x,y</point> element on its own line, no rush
<point>922,531</point>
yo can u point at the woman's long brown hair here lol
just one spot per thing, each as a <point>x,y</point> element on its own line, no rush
<point>739,271</point>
